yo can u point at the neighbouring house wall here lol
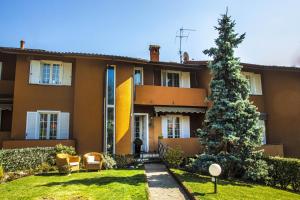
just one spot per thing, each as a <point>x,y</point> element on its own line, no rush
<point>8,66</point>
<point>6,120</point>
<point>124,103</point>
<point>282,104</point>
<point>29,97</point>
<point>89,88</point>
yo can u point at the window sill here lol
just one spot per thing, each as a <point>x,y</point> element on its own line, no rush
<point>43,84</point>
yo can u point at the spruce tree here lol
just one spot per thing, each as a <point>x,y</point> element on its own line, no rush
<point>230,133</point>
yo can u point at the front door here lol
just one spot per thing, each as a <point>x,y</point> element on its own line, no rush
<point>141,129</point>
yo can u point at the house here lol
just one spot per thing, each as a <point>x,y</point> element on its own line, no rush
<point>98,102</point>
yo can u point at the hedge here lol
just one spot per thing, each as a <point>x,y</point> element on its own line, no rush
<point>284,172</point>
<point>30,158</point>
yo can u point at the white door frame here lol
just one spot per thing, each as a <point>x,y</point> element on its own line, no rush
<point>146,128</point>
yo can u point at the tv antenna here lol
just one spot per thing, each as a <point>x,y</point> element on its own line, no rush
<point>181,36</point>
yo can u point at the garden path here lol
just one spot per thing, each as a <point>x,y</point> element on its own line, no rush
<point>162,185</point>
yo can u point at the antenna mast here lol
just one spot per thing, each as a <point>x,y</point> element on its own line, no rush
<point>181,36</point>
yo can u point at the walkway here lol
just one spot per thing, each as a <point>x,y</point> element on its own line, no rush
<point>161,184</point>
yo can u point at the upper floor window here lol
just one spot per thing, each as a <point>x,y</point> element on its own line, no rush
<point>171,78</point>
<point>138,76</point>
<point>254,81</point>
<point>50,72</point>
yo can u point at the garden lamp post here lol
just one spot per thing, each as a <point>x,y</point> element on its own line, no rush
<point>215,171</point>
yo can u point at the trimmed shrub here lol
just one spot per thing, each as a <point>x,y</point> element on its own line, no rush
<point>173,157</point>
<point>124,161</point>
<point>284,172</point>
<point>30,158</point>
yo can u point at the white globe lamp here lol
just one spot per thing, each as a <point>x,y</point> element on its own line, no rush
<point>215,170</point>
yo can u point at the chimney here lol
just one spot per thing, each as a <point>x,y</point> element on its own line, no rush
<point>186,57</point>
<point>22,44</point>
<point>154,53</point>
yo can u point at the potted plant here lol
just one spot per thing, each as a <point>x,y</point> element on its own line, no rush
<point>138,145</point>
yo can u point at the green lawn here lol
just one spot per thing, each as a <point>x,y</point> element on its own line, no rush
<point>107,184</point>
<point>202,188</point>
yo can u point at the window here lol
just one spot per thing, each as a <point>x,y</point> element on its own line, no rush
<point>175,79</point>
<point>138,76</point>
<point>172,79</point>
<point>262,124</point>
<point>48,126</point>
<point>254,82</point>
<point>110,110</point>
<point>47,72</point>
<point>50,73</point>
<point>173,127</point>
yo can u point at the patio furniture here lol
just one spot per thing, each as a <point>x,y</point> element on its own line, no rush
<point>93,161</point>
<point>67,163</point>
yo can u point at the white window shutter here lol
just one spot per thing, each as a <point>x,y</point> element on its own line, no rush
<point>35,72</point>
<point>185,127</point>
<point>263,126</point>
<point>164,126</point>
<point>31,125</point>
<point>67,74</point>
<point>257,82</point>
<point>64,125</point>
<point>163,77</point>
<point>185,80</point>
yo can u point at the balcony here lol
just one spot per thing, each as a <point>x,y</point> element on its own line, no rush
<point>6,87</point>
<point>170,96</point>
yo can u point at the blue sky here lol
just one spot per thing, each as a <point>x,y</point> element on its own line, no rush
<point>127,27</point>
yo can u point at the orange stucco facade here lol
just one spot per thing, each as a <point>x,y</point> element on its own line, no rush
<point>84,100</point>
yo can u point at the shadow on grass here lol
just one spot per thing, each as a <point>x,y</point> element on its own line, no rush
<point>99,181</point>
<point>195,178</point>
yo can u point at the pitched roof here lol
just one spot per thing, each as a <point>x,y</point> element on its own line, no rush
<point>188,64</point>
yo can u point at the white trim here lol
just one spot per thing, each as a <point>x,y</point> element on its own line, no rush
<point>142,74</point>
<point>1,69</point>
<point>48,112</point>
<point>146,129</point>
<point>110,106</point>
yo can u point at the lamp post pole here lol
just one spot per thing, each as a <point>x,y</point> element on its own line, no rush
<point>215,182</point>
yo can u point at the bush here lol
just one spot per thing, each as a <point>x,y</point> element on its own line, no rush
<point>109,162</point>
<point>30,158</point>
<point>45,168</point>
<point>284,172</point>
<point>124,161</point>
<point>256,170</point>
<point>173,157</point>
<point>64,149</point>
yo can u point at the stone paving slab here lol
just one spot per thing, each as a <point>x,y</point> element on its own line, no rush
<point>162,185</point>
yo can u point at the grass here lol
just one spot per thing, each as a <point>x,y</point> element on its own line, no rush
<point>107,184</point>
<point>201,187</point>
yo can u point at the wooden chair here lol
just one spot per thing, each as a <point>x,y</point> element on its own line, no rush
<point>93,161</point>
<point>67,163</point>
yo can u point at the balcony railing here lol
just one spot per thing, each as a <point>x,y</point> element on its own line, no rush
<point>6,87</point>
<point>170,96</point>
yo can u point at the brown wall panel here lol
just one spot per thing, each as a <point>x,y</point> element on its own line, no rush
<point>88,105</point>
<point>29,97</point>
